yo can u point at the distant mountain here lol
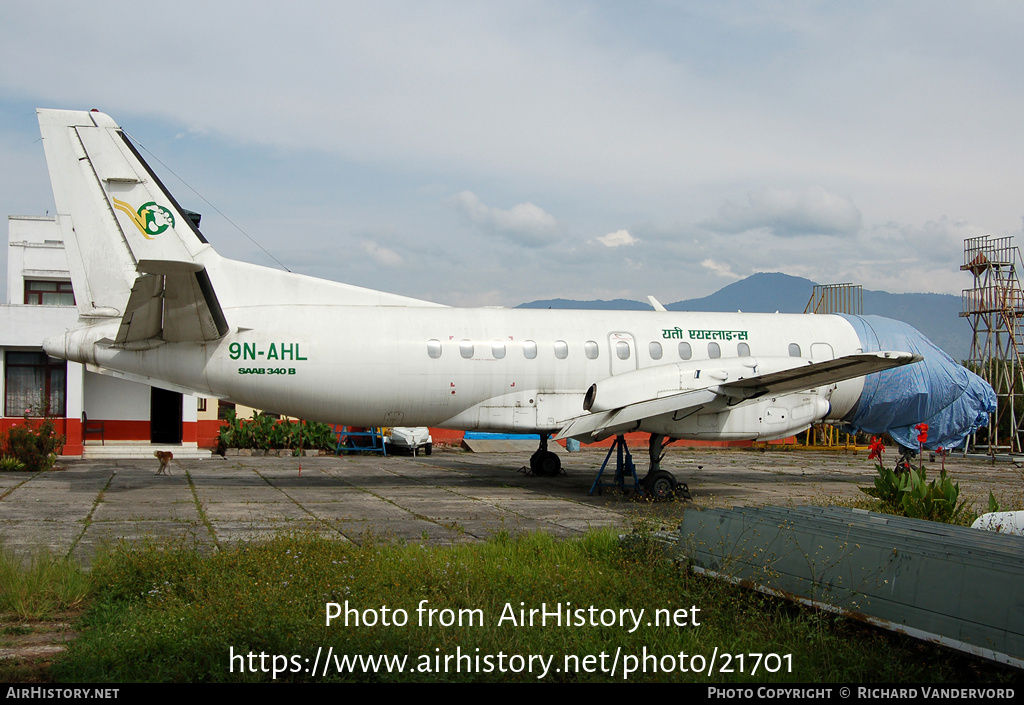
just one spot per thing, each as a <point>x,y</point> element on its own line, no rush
<point>599,305</point>
<point>935,315</point>
<point>758,293</point>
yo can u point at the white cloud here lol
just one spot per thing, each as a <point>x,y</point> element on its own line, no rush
<point>719,269</point>
<point>617,239</point>
<point>783,212</point>
<point>939,240</point>
<point>192,132</point>
<point>524,223</point>
<point>381,255</point>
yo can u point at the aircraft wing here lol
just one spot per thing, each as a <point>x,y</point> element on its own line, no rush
<point>815,374</point>
<point>173,301</point>
<point>595,426</point>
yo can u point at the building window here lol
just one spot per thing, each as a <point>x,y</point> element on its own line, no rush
<point>35,385</point>
<point>40,293</point>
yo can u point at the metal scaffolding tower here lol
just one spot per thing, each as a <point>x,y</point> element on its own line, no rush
<point>833,298</point>
<point>994,307</point>
<point>836,298</point>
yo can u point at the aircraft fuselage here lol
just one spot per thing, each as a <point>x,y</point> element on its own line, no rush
<point>482,368</point>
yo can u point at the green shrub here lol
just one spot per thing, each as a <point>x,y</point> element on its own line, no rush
<point>265,432</point>
<point>909,494</point>
<point>9,463</point>
<point>35,446</point>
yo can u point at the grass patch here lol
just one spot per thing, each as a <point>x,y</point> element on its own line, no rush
<point>163,612</point>
<point>41,585</point>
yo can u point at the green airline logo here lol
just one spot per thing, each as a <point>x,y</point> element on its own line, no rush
<point>151,219</point>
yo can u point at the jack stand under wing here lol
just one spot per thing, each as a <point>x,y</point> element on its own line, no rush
<point>623,464</point>
<point>658,484</point>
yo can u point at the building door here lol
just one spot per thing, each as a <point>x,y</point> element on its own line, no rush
<point>164,416</point>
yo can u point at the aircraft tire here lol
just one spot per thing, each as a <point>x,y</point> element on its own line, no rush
<point>660,484</point>
<point>545,464</point>
<point>428,449</point>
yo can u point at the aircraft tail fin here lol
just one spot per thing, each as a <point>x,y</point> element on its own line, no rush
<point>132,250</point>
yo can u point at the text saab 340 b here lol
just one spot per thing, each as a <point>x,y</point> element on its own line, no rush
<point>158,305</point>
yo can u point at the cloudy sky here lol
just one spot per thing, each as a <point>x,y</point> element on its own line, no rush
<point>495,153</point>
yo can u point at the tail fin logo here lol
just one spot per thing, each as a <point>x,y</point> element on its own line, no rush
<point>151,219</point>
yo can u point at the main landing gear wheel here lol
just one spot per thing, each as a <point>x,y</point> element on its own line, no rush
<point>660,484</point>
<point>544,463</point>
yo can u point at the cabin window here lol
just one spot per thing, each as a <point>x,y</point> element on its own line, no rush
<point>591,349</point>
<point>714,351</point>
<point>434,348</point>
<point>498,349</point>
<point>822,351</point>
<point>743,350</point>
<point>794,350</point>
<point>466,349</point>
<point>529,349</point>
<point>34,385</point>
<point>39,293</point>
<point>561,349</point>
<point>622,350</point>
<point>685,353</point>
<point>655,349</point>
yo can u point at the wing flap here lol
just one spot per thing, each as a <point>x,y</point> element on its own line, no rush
<point>607,423</point>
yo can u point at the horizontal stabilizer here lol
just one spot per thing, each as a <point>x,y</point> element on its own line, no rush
<point>173,301</point>
<point>152,382</point>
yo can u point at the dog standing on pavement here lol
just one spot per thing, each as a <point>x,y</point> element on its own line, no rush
<point>165,458</point>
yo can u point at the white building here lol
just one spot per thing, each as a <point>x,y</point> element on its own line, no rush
<point>89,408</point>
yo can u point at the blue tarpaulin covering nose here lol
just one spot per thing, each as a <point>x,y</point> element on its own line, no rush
<point>951,399</point>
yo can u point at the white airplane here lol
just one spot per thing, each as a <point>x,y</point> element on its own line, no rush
<point>158,305</point>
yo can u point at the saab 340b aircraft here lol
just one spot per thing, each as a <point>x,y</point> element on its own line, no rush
<point>158,305</point>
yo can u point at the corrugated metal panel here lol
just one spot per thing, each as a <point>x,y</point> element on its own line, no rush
<point>950,584</point>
